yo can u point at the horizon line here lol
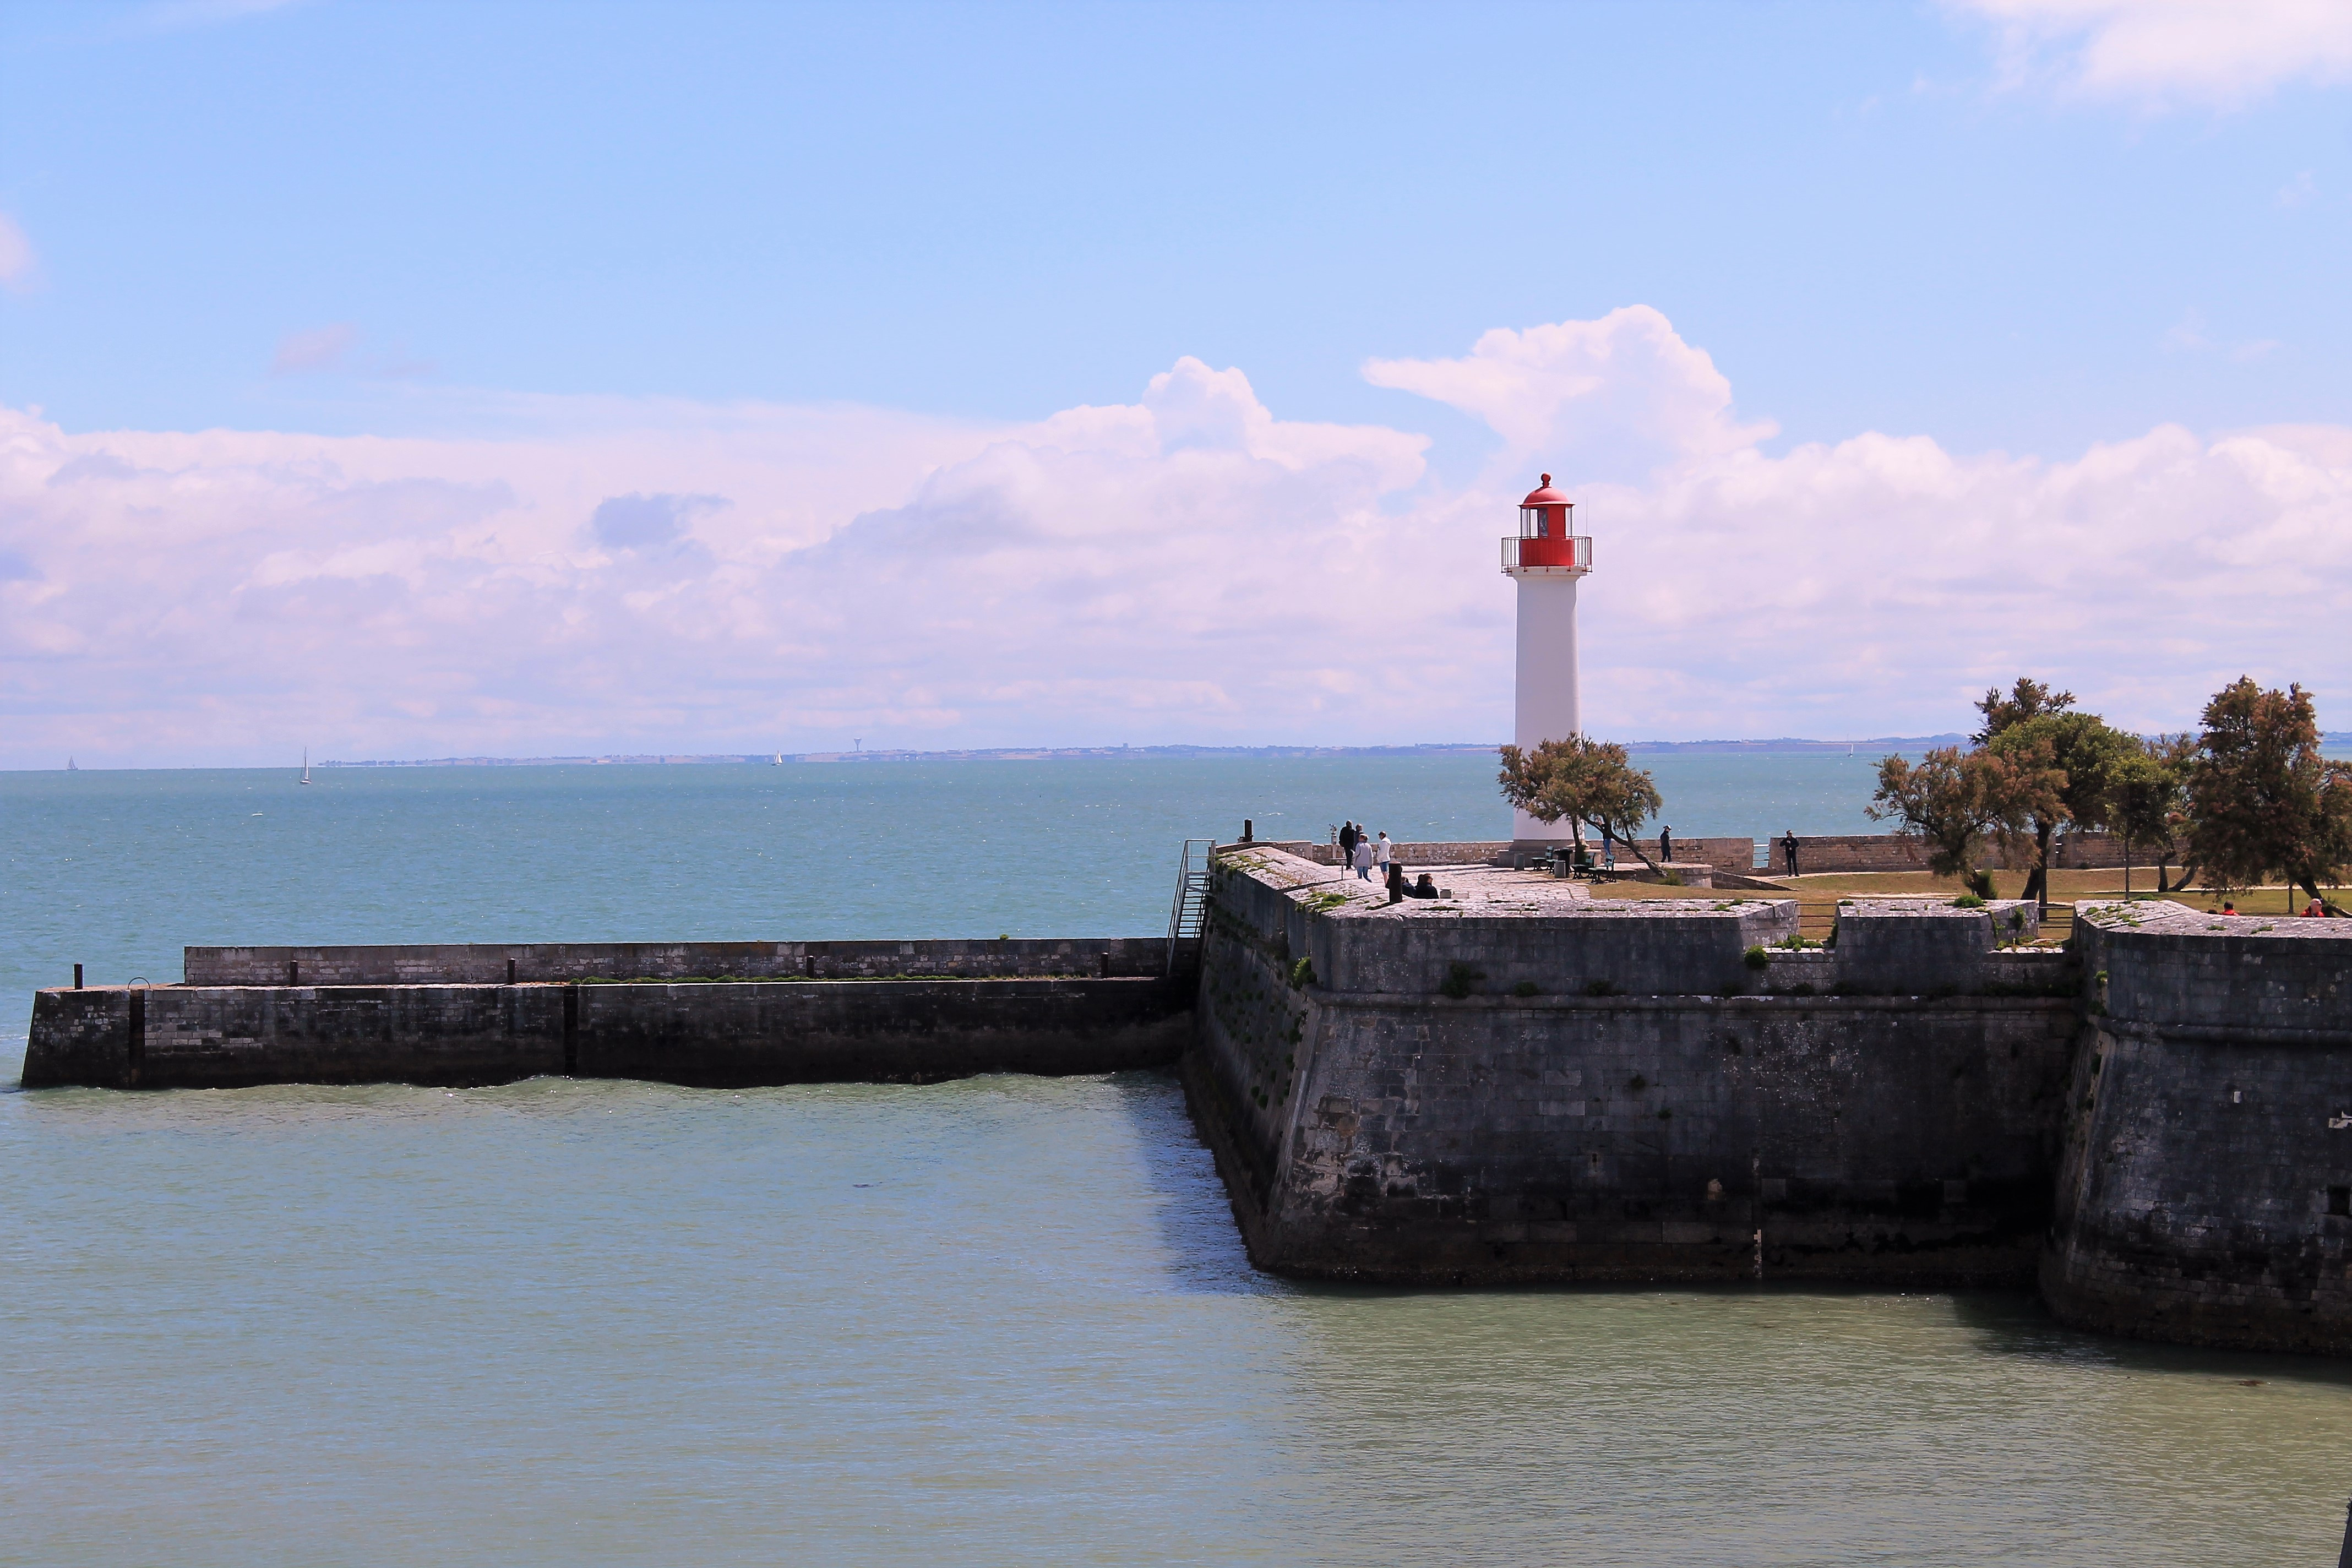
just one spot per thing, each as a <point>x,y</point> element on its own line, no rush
<point>1785,743</point>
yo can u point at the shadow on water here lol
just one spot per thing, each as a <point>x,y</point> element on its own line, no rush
<point>2020,1324</point>
<point>1190,1210</point>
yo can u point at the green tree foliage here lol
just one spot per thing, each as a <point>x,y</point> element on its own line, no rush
<point>2148,802</point>
<point>1954,799</point>
<point>1585,780</point>
<point>2034,722</point>
<point>2027,700</point>
<point>2261,798</point>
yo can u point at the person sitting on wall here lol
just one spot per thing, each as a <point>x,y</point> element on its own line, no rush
<point>1424,889</point>
<point>2229,907</point>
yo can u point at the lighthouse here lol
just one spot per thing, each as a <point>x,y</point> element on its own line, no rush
<point>1547,558</point>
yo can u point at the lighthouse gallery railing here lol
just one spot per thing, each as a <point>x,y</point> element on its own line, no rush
<point>1573,553</point>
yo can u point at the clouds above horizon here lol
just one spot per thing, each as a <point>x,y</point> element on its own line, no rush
<point>1188,567</point>
<point>2162,53</point>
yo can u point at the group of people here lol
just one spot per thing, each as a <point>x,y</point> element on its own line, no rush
<point>1365,853</point>
<point>2314,911</point>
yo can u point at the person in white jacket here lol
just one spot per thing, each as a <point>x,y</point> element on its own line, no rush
<point>1364,859</point>
<point>1383,853</point>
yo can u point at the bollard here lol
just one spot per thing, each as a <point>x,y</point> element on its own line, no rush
<point>293,972</point>
<point>77,976</point>
<point>510,971</point>
<point>1246,834</point>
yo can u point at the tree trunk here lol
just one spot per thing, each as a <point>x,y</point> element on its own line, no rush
<point>1633,844</point>
<point>2311,885</point>
<point>2037,885</point>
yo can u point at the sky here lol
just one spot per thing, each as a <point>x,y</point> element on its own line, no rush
<point>424,380</point>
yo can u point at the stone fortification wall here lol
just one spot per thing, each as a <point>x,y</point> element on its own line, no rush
<point>1822,853</point>
<point>718,1034</point>
<point>2206,1192</point>
<point>492,963</point>
<point>1925,946</point>
<point>1734,854</point>
<point>1480,852</point>
<point>1816,853</point>
<point>1707,1121</point>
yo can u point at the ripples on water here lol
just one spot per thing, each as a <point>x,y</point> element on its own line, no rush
<point>1000,1320</point>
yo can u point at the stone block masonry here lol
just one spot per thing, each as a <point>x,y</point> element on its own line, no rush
<point>492,964</point>
<point>1075,1012</point>
<point>2207,1193</point>
<point>1500,1087</point>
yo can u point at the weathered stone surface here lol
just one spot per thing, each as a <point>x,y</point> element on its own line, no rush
<point>718,1034</point>
<point>1371,1125</point>
<point>487,963</point>
<point>2207,1193</point>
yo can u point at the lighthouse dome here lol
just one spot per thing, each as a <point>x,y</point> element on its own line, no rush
<point>1544,495</point>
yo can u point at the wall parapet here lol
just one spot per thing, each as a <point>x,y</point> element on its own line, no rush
<point>493,964</point>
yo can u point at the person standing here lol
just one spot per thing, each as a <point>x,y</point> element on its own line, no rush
<point>1789,851</point>
<point>1666,845</point>
<point>1347,845</point>
<point>1383,853</point>
<point>1363,859</point>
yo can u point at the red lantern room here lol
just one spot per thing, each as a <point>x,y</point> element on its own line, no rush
<point>1548,541</point>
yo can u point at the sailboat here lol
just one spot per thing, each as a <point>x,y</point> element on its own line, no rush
<point>306,766</point>
<point>779,761</point>
<point>69,767</point>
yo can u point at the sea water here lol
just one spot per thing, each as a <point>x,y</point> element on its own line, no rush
<point>1003,1320</point>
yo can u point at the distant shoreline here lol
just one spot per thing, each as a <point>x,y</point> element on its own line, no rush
<point>1045,753</point>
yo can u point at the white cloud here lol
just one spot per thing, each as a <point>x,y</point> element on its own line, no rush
<point>2164,53</point>
<point>604,574</point>
<point>1615,398</point>
<point>19,266</point>
<point>319,349</point>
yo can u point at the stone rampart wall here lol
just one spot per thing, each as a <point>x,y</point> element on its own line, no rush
<point>492,963</point>
<point>1815,853</point>
<point>2206,1192</point>
<point>1371,1126</point>
<point>726,1034</point>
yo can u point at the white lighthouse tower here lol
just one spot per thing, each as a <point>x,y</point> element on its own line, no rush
<point>1547,558</point>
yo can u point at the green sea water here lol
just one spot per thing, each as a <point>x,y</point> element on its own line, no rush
<point>1002,1321</point>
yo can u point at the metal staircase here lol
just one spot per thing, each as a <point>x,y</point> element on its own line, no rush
<point>1192,906</point>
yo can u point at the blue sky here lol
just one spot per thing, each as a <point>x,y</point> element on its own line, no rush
<point>2028,227</point>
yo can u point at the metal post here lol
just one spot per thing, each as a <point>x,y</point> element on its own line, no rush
<point>293,972</point>
<point>510,971</point>
<point>77,976</point>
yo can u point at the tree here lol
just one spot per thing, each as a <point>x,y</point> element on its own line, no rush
<point>2142,805</point>
<point>1953,799</point>
<point>2174,753</point>
<point>1586,781</point>
<point>2084,751</point>
<point>2081,746</point>
<point>2029,700</point>
<point>2261,798</point>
